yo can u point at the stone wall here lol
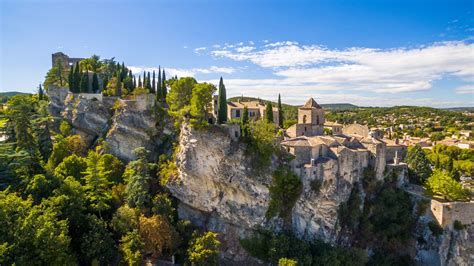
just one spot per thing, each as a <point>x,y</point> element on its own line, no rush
<point>90,96</point>
<point>448,212</point>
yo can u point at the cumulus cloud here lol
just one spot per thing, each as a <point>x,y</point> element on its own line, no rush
<point>358,68</point>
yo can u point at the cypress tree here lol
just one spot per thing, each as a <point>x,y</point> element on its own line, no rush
<point>77,78</point>
<point>153,82</point>
<point>71,79</point>
<point>105,81</point>
<point>123,72</point>
<point>163,85</point>
<point>148,82</point>
<point>134,82</point>
<point>40,92</point>
<point>221,103</point>
<point>118,87</point>
<point>280,112</point>
<point>269,112</point>
<point>95,83</point>
<point>140,81</point>
<point>84,87</point>
<point>159,91</point>
<point>244,127</point>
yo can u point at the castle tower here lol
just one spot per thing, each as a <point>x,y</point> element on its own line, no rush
<point>310,119</point>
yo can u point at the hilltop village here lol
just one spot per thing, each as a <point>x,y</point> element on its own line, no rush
<point>111,158</point>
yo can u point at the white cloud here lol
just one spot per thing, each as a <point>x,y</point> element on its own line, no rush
<point>359,68</point>
<point>298,93</point>
<point>199,50</point>
<point>181,72</point>
<point>466,89</point>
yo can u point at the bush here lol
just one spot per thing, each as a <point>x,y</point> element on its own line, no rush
<point>435,228</point>
<point>284,191</point>
<point>458,225</point>
<point>287,262</point>
<point>316,185</point>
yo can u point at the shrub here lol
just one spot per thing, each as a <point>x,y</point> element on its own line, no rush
<point>284,191</point>
<point>316,185</point>
<point>435,228</point>
<point>287,262</point>
<point>458,225</point>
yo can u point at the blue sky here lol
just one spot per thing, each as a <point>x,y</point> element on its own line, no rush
<point>370,53</point>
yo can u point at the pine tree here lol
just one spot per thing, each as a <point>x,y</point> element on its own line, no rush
<point>95,83</point>
<point>269,112</point>
<point>221,103</point>
<point>71,79</point>
<point>163,85</point>
<point>153,83</point>
<point>280,112</point>
<point>96,184</point>
<point>84,87</point>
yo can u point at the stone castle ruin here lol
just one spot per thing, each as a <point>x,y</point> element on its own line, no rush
<point>63,59</point>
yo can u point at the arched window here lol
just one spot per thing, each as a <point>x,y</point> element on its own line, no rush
<point>304,120</point>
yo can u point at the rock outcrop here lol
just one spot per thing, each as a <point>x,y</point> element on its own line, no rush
<point>123,126</point>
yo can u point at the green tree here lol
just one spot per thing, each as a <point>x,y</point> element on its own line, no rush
<point>221,103</point>
<point>280,112</point>
<point>97,244</point>
<point>204,249</point>
<point>95,83</point>
<point>137,177</point>
<point>77,78</point>
<point>201,100</point>
<point>71,80</point>
<point>131,245</point>
<point>269,112</point>
<point>159,91</point>
<point>72,165</point>
<point>441,183</point>
<point>285,190</point>
<point>244,124</point>
<point>20,111</point>
<point>418,164</point>
<point>96,184</point>
<point>153,83</point>
<point>287,262</point>
<point>84,82</point>
<point>31,233</point>
<point>180,93</point>
<point>40,93</point>
<point>164,90</point>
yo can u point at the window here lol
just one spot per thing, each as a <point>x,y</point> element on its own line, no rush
<point>237,113</point>
<point>251,114</point>
<point>304,121</point>
<point>317,120</point>
<point>236,134</point>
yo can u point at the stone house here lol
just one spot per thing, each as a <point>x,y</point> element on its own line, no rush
<point>335,127</point>
<point>256,110</point>
<point>310,120</point>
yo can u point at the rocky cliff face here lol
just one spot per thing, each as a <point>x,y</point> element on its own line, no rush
<point>218,190</point>
<point>121,125</point>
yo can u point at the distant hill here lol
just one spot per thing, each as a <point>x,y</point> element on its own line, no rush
<point>4,96</point>
<point>460,109</point>
<point>291,111</point>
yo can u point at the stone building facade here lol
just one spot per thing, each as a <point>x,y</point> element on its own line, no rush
<point>310,120</point>
<point>256,110</point>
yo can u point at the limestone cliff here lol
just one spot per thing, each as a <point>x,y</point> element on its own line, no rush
<point>124,124</point>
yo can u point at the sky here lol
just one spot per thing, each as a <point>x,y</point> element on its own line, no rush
<point>368,53</point>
